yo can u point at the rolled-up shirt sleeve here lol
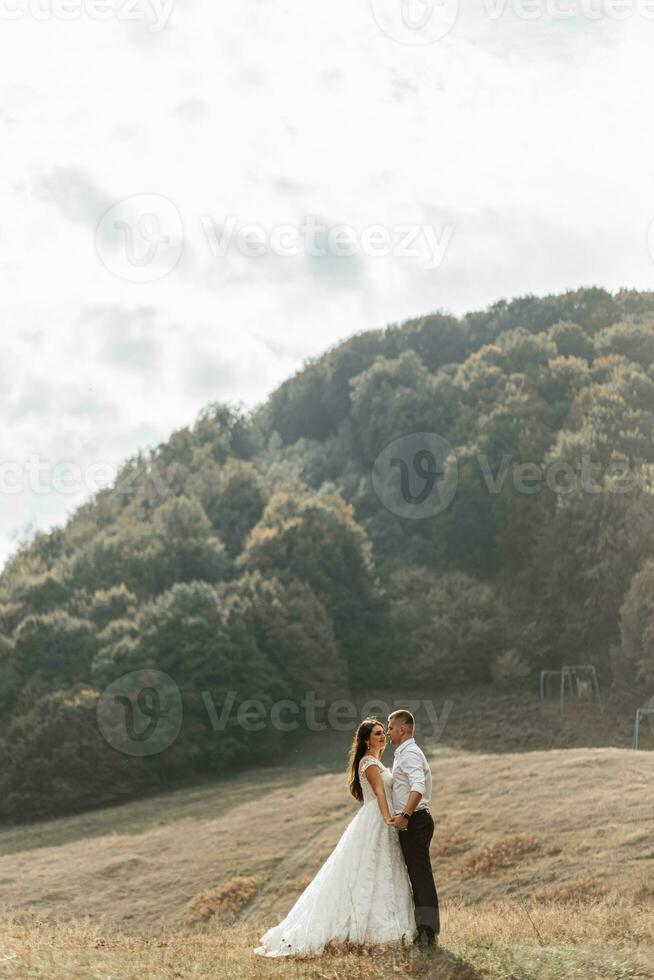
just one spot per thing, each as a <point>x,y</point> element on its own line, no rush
<point>415,772</point>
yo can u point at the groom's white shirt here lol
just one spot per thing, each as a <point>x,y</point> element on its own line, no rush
<point>410,772</point>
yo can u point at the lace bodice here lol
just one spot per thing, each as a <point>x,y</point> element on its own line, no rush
<point>386,774</point>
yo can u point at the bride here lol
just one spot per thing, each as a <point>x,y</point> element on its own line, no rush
<point>362,893</point>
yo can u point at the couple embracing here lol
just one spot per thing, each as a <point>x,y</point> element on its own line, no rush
<point>377,885</point>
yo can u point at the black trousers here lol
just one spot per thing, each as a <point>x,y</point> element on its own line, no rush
<point>415,841</point>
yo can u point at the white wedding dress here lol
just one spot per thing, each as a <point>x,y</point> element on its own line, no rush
<point>362,893</point>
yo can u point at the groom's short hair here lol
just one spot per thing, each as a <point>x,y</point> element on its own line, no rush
<point>404,716</point>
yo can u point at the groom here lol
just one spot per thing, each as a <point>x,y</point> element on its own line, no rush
<point>411,796</point>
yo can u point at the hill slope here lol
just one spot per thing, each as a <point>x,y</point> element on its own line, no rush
<point>516,826</point>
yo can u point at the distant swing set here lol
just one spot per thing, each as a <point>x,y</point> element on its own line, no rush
<point>579,680</point>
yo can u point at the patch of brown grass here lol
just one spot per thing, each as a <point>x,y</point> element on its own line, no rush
<point>223,903</point>
<point>570,893</point>
<point>503,855</point>
<point>452,844</point>
<point>292,885</point>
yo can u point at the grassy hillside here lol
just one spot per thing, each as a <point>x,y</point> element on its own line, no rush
<point>543,861</point>
<point>512,826</point>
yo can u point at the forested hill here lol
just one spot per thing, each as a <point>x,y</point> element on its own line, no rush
<point>254,553</point>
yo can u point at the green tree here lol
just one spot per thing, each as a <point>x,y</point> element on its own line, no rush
<point>580,568</point>
<point>572,341</point>
<point>464,536</point>
<point>10,679</point>
<point>295,633</point>
<point>120,554</point>
<point>185,545</point>
<point>316,540</point>
<point>55,650</point>
<point>53,760</point>
<point>437,339</point>
<point>208,646</point>
<point>233,499</point>
<point>633,339</point>
<point>635,661</point>
<point>42,593</point>
<point>110,604</point>
<point>117,651</point>
<point>394,398</point>
<point>450,626</point>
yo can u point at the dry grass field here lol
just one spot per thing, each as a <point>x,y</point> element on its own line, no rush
<point>544,862</point>
<point>567,942</point>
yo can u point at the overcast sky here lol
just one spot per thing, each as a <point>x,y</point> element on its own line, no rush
<point>474,154</point>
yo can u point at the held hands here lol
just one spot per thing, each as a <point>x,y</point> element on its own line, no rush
<point>400,823</point>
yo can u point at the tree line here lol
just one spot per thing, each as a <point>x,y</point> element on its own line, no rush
<point>250,552</point>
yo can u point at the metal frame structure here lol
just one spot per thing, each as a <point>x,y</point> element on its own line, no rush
<point>568,672</point>
<point>640,714</point>
<point>544,677</point>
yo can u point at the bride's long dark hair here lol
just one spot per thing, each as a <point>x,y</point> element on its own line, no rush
<point>358,749</point>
